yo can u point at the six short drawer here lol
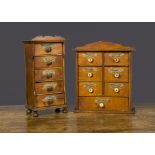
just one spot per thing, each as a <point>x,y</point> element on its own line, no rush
<point>90,73</point>
<point>90,59</point>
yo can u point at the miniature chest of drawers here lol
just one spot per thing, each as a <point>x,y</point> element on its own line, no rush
<point>45,74</point>
<point>103,77</point>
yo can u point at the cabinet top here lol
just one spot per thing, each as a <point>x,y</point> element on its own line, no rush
<point>104,46</point>
<point>45,39</point>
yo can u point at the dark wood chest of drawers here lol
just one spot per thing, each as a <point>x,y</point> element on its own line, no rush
<point>103,77</point>
<point>45,73</point>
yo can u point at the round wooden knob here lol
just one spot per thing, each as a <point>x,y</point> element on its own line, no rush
<point>90,60</point>
<point>116,75</point>
<point>101,105</point>
<point>116,90</point>
<point>90,75</point>
<point>116,60</point>
<point>91,90</point>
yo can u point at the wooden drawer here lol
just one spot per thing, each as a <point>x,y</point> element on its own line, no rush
<point>116,74</point>
<point>48,61</point>
<point>48,74</point>
<point>90,73</point>
<point>49,100</point>
<point>116,89</point>
<point>103,103</point>
<point>48,48</point>
<point>90,59</point>
<point>90,88</point>
<point>49,87</point>
<point>116,59</point>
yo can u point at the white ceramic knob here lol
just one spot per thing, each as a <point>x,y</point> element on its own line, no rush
<point>116,90</point>
<point>91,90</point>
<point>101,105</point>
<point>90,60</point>
<point>90,75</point>
<point>116,60</point>
<point>116,75</point>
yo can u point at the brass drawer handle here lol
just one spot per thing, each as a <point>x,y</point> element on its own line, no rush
<point>48,73</point>
<point>48,87</point>
<point>116,75</point>
<point>116,90</point>
<point>90,60</point>
<point>49,60</point>
<point>90,75</point>
<point>90,90</point>
<point>49,99</point>
<point>116,60</point>
<point>48,49</point>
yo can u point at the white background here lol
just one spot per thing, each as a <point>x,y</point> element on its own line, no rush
<point>77,11</point>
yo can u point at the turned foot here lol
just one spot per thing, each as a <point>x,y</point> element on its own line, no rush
<point>57,110</point>
<point>65,110</point>
<point>28,111</point>
<point>35,114</point>
<point>133,109</point>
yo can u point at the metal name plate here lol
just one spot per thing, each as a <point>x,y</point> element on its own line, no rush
<point>90,69</point>
<point>91,85</point>
<point>116,85</point>
<point>116,54</point>
<point>115,70</point>
<point>102,100</point>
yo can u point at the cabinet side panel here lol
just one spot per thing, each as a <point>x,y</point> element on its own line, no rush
<point>29,50</point>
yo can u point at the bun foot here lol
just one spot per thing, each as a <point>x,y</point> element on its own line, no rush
<point>65,110</point>
<point>57,110</point>
<point>28,111</point>
<point>35,114</point>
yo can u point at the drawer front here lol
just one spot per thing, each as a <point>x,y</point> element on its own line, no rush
<point>48,49</point>
<point>90,59</point>
<point>103,103</point>
<point>90,73</point>
<point>116,74</point>
<point>49,87</point>
<point>116,59</point>
<point>49,100</point>
<point>90,88</point>
<point>48,61</point>
<point>116,89</point>
<point>48,74</point>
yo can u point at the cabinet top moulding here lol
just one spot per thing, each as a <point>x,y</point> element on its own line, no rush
<point>48,39</point>
<point>104,46</point>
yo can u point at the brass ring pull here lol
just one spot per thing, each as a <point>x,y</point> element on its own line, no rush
<point>49,74</point>
<point>48,49</point>
<point>91,90</point>
<point>90,60</point>
<point>90,75</point>
<point>116,90</point>
<point>116,75</point>
<point>48,99</point>
<point>116,60</point>
<point>48,87</point>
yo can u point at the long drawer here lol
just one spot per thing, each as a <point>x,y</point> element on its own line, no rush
<point>48,49</point>
<point>103,103</point>
<point>49,87</point>
<point>48,74</point>
<point>48,61</point>
<point>49,100</point>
